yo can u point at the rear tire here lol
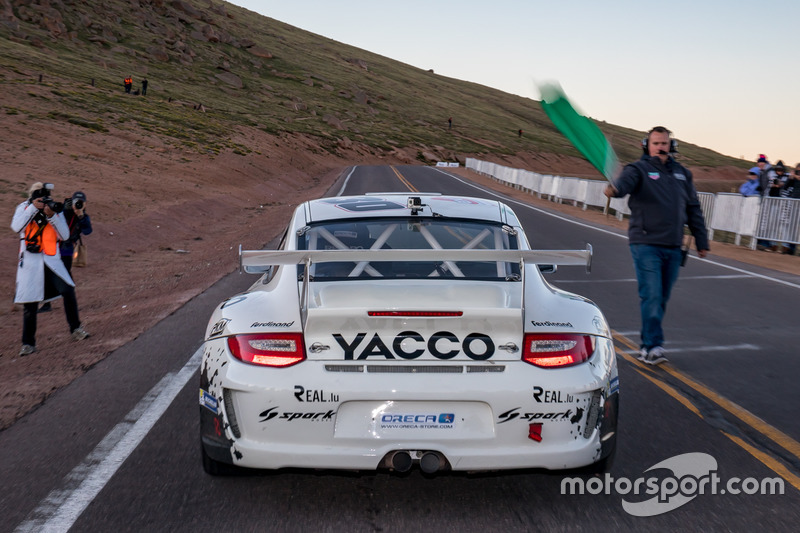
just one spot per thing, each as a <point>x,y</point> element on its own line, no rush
<point>603,465</point>
<point>213,467</point>
<point>600,467</point>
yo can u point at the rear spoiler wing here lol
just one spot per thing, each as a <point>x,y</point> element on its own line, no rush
<point>259,261</point>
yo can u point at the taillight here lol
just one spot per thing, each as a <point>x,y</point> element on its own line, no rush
<point>268,349</point>
<point>556,350</point>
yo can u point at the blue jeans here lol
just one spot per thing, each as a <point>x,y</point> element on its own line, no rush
<point>656,271</point>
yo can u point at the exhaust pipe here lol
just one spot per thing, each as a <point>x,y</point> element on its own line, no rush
<point>401,461</point>
<point>431,462</point>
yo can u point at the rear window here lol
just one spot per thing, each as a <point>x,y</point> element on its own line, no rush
<point>410,234</point>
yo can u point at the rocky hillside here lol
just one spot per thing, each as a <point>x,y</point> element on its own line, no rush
<point>249,71</point>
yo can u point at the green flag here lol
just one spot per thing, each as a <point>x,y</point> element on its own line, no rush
<point>581,131</point>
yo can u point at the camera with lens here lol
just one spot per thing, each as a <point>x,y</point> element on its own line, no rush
<point>44,194</point>
<point>76,201</point>
<point>56,207</point>
<point>69,203</point>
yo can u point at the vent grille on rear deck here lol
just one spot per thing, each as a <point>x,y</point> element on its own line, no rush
<point>344,368</point>
<point>415,369</point>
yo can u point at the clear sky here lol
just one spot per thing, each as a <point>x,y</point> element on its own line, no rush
<point>723,74</point>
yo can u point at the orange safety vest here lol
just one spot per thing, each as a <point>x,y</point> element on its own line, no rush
<point>128,80</point>
<point>47,239</point>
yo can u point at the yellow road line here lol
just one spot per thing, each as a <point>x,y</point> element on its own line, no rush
<point>672,392</point>
<point>404,180</point>
<point>772,433</point>
<point>777,436</point>
<point>771,463</point>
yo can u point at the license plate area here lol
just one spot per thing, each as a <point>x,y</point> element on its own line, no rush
<point>414,420</point>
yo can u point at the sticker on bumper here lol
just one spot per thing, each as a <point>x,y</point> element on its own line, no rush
<point>417,421</point>
<point>209,402</point>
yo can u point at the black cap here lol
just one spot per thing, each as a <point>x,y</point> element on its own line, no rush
<point>78,195</point>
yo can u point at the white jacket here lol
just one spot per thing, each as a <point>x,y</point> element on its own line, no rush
<point>30,266</point>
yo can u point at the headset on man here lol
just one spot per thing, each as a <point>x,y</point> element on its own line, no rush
<point>673,144</point>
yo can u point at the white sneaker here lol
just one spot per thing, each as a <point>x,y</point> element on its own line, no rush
<point>656,356</point>
<point>78,334</point>
<point>642,355</point>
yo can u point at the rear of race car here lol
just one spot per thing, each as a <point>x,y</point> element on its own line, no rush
<point>383,354</point>
<point>451,379</point>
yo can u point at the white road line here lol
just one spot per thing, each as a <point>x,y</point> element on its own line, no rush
<point>346,180</point>
<point>629,280</point>
<point>62,507</point>
<point>729,348</point>
<point>623,236</point>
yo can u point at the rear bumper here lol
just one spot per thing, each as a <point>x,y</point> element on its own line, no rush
<point>308,417</point>
<point>460,456</point>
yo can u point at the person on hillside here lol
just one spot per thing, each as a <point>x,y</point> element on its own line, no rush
<point>662,199</point>
<point>750,187</point>
<point>40,272</point>
<point>144,86</point>
<point>128,84</point>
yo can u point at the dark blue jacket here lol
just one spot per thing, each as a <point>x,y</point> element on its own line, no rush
<point>77,227</point>
<point>662,199</point>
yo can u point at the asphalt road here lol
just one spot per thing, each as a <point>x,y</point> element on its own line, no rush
<point>114,452</point>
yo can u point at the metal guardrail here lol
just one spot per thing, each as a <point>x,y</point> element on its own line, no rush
<point>779,220</point>
<point>768,218</point>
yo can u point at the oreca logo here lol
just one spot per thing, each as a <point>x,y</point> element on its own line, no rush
<point>411,345</point>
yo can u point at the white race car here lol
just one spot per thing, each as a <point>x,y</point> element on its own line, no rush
<point>396,330</point>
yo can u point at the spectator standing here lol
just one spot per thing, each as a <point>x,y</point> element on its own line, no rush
<point>79,223</point>
<point>144,86</point>
<point>450,123</point>
<point>750,187</point>
<point>775,184</point>
<point>40,272</point>
<point>790,189</point>
<point>662,199</point>
<point>767,173</point>
<point>795,192</point>
<point>778,179</point>
<point>128,84</point>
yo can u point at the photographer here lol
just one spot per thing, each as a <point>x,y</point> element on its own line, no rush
<point>79,224</point>
<point>40,272</point>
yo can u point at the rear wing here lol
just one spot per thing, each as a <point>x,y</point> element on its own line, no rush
<point>259,261</point>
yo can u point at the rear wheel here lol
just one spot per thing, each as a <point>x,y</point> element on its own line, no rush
<point>213,467</point>
<point>602,466</point>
